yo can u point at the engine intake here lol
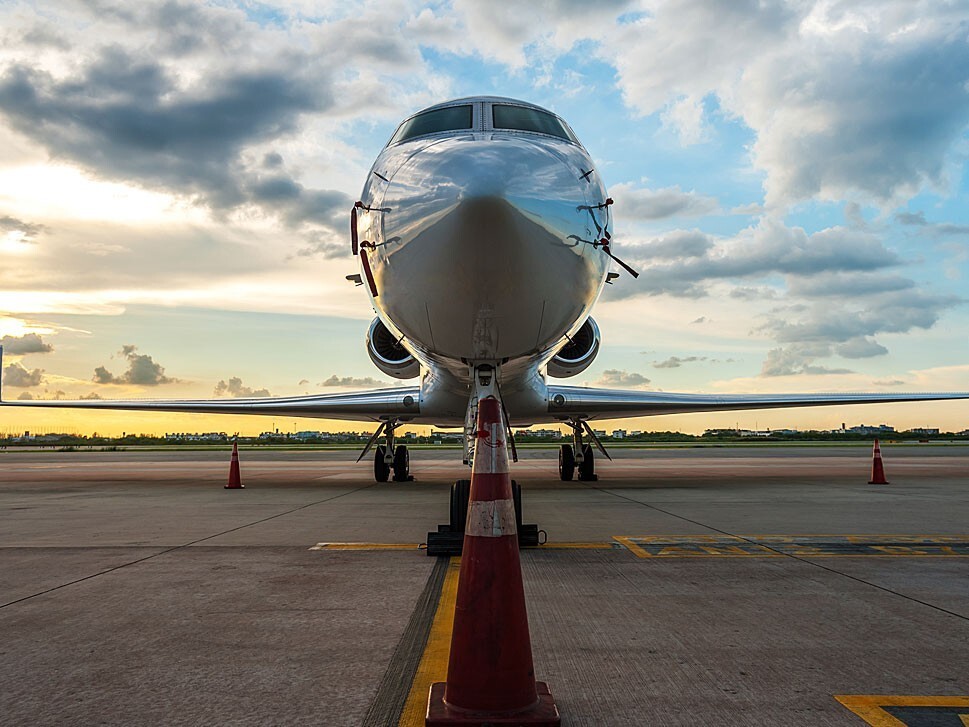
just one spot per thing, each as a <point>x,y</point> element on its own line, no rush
<point>388,355</point>
<point>576,355</point>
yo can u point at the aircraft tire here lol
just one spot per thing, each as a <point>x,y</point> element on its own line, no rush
<point>401,464</point>
<point>381,470</point>
<point>516,494</point>
<point>587,468</point>
<point>566,462</point>
<point>460,493</point>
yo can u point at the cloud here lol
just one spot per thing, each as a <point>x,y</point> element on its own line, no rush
<point>843,321</point>
<point>184,114</point>
<point>25,231</point>
<point>235,388</point>
<point>889,382</point>
<point>848,284</point>
<point>860,347</point>
<point>142,371</point>
<point>672,246</point>
<point>674,362</point>
<point>654,204</point>
<point>515,34</point>
<point>682,263</point>
<point>22,345</point>
<point>845,327</point>
<point>366,381</point>
<point>17,375</point>
<point>911,218</point>
<point>842,97</point>
<point>622,379</point>
<point>798,359</point>
<point>701,319</point>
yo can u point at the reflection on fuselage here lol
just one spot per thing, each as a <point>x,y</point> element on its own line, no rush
<point>478,253</point>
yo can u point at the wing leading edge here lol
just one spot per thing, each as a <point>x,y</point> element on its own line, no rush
<point>399,402</point>
<point>579,402</point>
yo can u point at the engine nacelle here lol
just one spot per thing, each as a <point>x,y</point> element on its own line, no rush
<point>578,353</point>
<point>388,355</point>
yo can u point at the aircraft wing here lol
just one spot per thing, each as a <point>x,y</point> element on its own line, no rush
<point>399,402</point>
<point>585,403</point>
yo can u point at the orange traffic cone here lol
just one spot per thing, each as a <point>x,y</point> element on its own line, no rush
<point>490,677</point>
<point>877,468</point>
<point>235,480</point>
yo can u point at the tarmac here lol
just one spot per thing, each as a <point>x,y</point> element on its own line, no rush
<point>762,585</point>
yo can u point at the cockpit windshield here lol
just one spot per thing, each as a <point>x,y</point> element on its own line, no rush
<point>450,118</point>
<point>522,118</point>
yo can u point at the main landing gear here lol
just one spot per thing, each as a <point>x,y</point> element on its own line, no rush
<point>389,458</point>
<point>580,455</point>
<point>397,465</point>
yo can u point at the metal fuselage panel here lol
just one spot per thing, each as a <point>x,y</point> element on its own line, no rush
<point>479,257</point>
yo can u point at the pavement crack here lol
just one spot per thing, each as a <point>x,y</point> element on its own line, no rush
<point>181,547</point>
<point>766,546</point>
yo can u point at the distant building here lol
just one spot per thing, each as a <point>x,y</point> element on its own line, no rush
<point>618,433</point>
<point>924,432</point>
<point>866,429</point>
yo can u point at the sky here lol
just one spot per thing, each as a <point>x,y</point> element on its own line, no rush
<point>176,180</point>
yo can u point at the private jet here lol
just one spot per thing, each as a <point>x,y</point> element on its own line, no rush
<point>484,237</point>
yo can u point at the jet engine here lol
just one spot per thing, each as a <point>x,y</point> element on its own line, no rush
<point>388,355</point>
<point>576,355</point>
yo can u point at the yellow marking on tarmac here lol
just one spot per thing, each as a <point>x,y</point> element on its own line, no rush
<point>869,706</point>
<point>433,666</point>
<point>365,546</point>
<point>574,546</point>
<point>627,542</point>
<point>780,546</point>
<point>416,546</point>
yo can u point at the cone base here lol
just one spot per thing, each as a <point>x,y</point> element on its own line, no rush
<point>878,482</point>
<point>543,714</point>
<point>234,487</point>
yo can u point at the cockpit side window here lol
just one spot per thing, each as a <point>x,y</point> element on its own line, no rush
<point>521,118</point>
<point>450,118</point>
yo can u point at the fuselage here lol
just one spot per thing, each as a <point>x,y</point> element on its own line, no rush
<point>479,243</point>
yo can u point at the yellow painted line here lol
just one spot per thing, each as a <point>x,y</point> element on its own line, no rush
<point>433,666</point>
<point>869,706</point>
<point>574,546</point>
<point>627,543</point>
<point>964,718</point>
<point>365,546</point>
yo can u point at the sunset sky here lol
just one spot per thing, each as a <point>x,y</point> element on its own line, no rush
<point>176,180</point>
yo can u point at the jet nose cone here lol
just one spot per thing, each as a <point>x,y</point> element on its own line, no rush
<point>486,229</point>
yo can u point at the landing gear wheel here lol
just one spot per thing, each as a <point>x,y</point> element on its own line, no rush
<point>566,462</point>
<point>516,496</point>
<point>587,467</point>
<point>460,492</point>
<point>381,470</point>
<point>401,464</point>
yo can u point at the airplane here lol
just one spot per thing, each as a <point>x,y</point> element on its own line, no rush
<point>484,237</point>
